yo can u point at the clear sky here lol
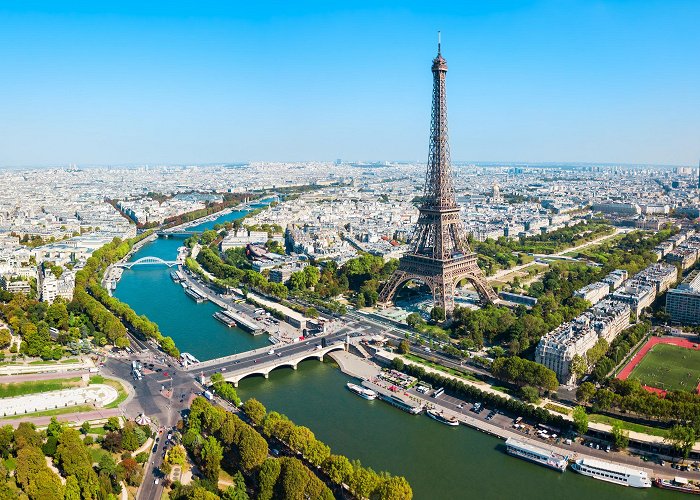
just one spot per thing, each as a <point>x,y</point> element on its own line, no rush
<point>101,82</point>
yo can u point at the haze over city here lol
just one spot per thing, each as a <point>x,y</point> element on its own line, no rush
<point>202,82</point>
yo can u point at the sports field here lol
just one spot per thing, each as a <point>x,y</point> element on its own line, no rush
<point>669,367</point>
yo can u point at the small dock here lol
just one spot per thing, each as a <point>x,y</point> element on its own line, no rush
<point>248,325</point>
<point>397,398</point>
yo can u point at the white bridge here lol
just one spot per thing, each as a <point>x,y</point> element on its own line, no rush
<point>267,363</point>
<point>149,261</point>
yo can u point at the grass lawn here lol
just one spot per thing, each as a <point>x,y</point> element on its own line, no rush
<point>70,360</point>
<point>99,379</point>
<point>97,453</point>
<point>35,386</point>
<point>669,367</point>
<point>604,419</point>
<point>558,408</point>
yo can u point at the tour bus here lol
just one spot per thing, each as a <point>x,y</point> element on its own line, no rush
<point>438,392</point>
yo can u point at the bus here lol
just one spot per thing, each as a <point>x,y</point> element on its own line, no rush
<point>438,392</point>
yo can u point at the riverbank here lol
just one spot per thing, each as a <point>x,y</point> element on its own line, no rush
<point>502,426</point>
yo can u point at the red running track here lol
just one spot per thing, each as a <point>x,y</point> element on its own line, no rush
<point>680,342</point>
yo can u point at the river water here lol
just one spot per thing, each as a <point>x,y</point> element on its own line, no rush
<point>439,461</point>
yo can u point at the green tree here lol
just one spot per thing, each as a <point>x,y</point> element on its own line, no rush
<point>621,438</point>
<point>585,392</point>
<point>85,427</point>
<point>237,491</point>
<point>404,347</point>
<point>681,438</point>
<point>211,454</point>
<point>255,410</point>
<point>26,435</point>
<point>252,448</point>
<point>112,424</point>
<point>267,478</point>
<point>72,488</point>
<point>55,428</point>
<point>580,420</point>
<point>5,338</point>
<point>394,488</point>
<point>530,394</point>
<point>338,468</point>
<point>578,366</point>
<point>6,437</point>
<point>437,314</point>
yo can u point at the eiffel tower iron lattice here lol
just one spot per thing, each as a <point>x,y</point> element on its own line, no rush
<point>440,255</point>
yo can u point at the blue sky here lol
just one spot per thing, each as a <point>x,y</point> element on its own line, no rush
<point>195,82</point>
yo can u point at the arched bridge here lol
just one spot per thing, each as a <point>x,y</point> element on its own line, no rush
<point>264,363</point>
<point>149,261</point>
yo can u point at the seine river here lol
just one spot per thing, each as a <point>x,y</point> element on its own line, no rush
<point>440,462</point>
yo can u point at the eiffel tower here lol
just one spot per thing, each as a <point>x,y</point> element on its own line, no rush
<point>439,256</point>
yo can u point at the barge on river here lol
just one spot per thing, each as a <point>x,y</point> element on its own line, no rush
<point>194,294</point>
<point>224,318</point>
<point>441,417</point>
<point>678,484</point>
<point>612,473</point>
<point>537,454</point>
<point>363,392</point>
<point>394,399</point>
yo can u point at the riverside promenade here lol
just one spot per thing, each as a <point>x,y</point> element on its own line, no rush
<point>501,426</point>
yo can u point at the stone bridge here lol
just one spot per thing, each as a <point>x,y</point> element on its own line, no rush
<point>268,362</point>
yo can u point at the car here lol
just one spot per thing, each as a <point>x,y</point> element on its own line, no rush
<point>223,369</point>
<point>271,351</point>
<point>159,370</point>
<point>156,481</point>
<point>165,374</point>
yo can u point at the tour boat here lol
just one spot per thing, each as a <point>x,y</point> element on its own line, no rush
<point>441,417</point>
<point>361,391</point>
<point>612,473</point>
<point>537,454</point>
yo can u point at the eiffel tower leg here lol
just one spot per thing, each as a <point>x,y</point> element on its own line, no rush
<point>486,293</point>
<point>390,287</point>
<point>444,294</point>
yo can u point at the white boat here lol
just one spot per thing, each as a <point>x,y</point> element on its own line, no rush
<point>612,473</point>
<point>537,454</point>
<point>362,391</point>
<point>441,417</point>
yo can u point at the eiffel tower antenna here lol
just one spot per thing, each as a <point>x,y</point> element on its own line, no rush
<point>439,256</point>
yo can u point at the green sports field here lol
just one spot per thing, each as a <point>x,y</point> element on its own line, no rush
<point>669,367</point>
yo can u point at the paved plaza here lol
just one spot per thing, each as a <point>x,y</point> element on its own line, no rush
<point>95,394</point>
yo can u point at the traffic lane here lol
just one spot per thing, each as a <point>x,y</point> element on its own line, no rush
<point>150,490</point>
<point>259,359</point>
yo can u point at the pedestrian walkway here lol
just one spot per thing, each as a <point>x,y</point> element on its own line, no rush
<point>354,365</point>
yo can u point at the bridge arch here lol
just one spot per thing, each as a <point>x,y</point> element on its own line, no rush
<point>235,378</point>
<point>152,261</point>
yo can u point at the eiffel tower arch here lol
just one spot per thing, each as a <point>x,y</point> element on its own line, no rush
<point>439,256</point>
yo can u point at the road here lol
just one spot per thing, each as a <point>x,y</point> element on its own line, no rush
<point>281,352</point>
<point>164,407</point>
<point>505,422</point>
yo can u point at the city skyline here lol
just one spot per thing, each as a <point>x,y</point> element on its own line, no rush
<point>531,82</point>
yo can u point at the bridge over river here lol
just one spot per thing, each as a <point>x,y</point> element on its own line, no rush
<point>260,362</point>
<point>148,261</point>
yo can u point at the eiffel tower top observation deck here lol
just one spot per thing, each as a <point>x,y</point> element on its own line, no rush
<point>440,255</point>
